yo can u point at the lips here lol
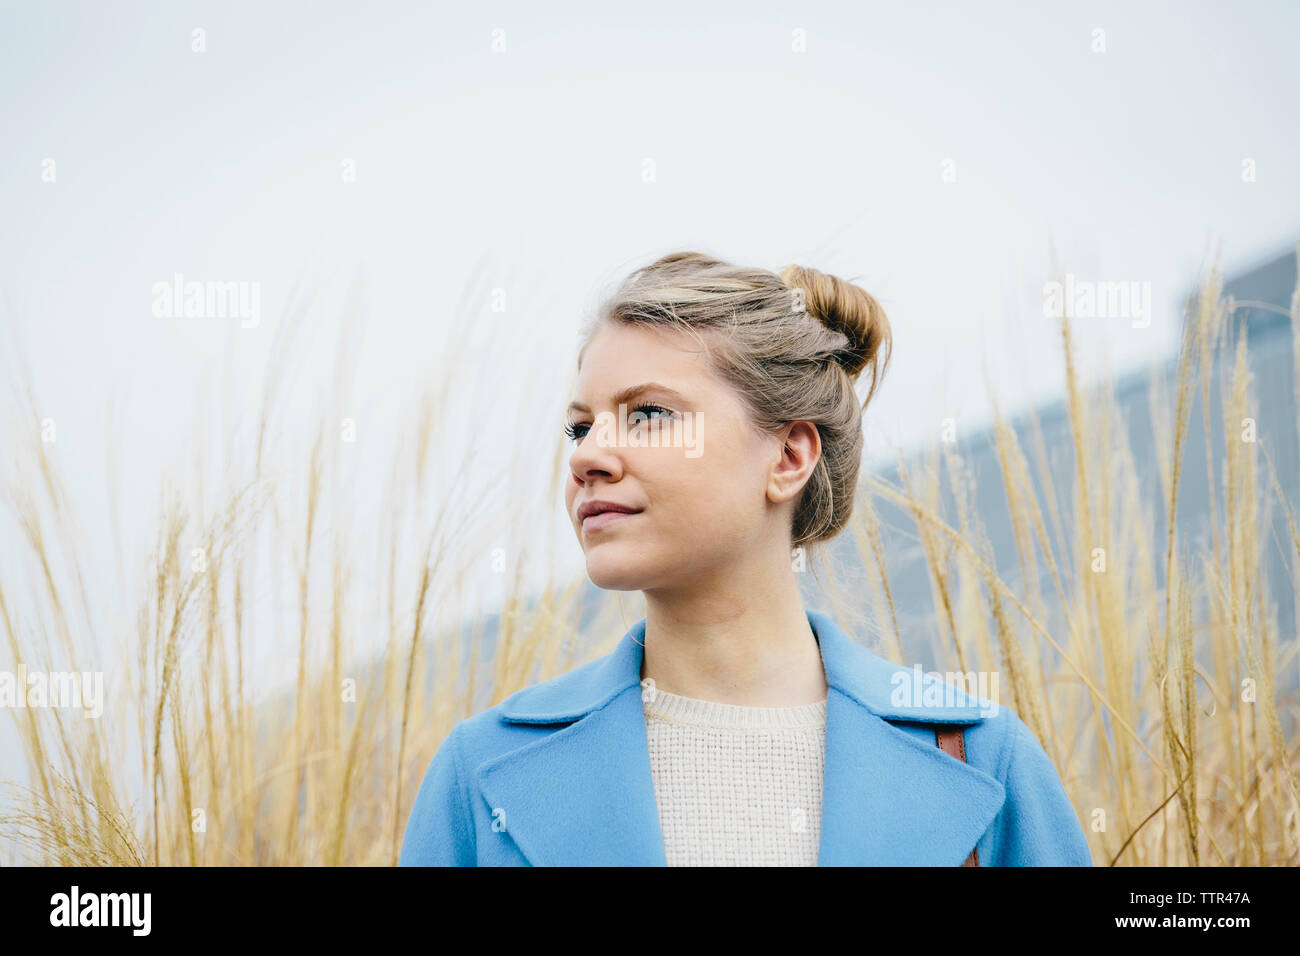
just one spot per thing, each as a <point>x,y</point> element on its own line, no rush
<point>604,519</point>
<point>597,507</point>
<point>597,515</point>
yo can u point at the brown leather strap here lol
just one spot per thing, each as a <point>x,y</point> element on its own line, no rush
<point>952,741</point>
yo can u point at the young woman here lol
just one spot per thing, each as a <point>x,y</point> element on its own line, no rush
<point>716,430</point>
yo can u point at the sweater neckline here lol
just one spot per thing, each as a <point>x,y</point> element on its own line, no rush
<point>693,711</point>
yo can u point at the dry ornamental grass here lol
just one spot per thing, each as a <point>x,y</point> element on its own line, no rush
<point>1160,706</point>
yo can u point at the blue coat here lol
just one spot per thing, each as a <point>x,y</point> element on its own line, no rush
<point>558,774</point>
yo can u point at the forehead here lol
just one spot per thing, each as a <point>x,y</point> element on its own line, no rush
<point>620,355</point>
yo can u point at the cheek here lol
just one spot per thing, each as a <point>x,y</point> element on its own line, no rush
<point>570,499</point>
<point>707,500</point>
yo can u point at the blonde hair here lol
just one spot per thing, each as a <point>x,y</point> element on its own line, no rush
<point>791,343</point>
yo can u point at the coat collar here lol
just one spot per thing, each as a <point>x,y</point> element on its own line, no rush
<point>584,795</point>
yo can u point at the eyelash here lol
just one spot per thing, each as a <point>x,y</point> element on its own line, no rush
<point>572,430</point>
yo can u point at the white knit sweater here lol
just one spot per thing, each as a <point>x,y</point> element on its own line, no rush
<point>736,786</point>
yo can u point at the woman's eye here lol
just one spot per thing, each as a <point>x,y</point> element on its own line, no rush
<point>577,431</point>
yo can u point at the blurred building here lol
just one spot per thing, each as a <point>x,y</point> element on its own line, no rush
<point>1263,296</point>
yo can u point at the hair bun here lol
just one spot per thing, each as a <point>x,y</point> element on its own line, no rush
<point>845,308</point>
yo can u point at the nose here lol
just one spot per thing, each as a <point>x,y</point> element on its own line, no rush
<point>590,459</point>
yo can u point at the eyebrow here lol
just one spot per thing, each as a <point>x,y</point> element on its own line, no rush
<point>625,395</point>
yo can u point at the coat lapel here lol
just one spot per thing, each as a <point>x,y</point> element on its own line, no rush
<point>583,795</point>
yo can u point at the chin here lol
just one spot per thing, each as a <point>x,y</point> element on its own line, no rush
<point>610,573</point>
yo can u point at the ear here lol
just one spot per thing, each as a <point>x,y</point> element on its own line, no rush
<point>801,449</point>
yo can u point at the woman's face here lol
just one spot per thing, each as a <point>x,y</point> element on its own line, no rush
<point>679,452</point>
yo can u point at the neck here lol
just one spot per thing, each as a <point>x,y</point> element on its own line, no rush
<point>737,637</point>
